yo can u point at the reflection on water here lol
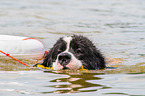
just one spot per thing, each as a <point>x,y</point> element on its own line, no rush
<point>54,83</point>
<point>12,65</point>
<point>76,82</point>
<point>117,27</point>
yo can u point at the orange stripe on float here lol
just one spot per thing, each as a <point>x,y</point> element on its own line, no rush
<point>33,39</point>
<point>39,41</point>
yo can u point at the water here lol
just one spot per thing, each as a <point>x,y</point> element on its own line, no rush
<point>115,26</point>
<point>38,83</point>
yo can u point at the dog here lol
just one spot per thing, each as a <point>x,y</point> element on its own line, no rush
<point>74,52</point>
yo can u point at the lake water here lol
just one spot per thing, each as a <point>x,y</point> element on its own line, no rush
<point>117,27</point>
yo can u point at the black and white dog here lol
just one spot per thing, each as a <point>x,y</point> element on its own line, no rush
<point>73,53</point>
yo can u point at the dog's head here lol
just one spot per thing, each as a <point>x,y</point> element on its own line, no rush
<point>73,53</point>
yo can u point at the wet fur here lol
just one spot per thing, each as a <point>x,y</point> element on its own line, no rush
<point>90,57</point>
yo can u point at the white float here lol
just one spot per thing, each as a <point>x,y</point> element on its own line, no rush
<point>21,47</point>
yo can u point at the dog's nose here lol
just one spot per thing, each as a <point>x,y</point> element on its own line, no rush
<point>64,59</point>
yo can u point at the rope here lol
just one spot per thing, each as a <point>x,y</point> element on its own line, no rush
<point>13,58</point>
<point>19,60</point>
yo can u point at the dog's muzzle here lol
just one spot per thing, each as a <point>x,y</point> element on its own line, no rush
<point>64,59</point>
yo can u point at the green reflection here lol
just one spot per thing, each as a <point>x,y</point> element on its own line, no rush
<point>117,93</point>
<point>77,82</point>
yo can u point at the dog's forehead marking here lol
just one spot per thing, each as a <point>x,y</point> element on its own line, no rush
<point>67,40</point>
<point>74,63</point>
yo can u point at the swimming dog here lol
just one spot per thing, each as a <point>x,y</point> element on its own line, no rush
<point>74,52</point>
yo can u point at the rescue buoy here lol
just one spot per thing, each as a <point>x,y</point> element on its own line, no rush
<point>21,47</point>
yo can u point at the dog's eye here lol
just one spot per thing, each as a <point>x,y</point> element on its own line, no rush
<point>79,51</point>
<point>59,51</point>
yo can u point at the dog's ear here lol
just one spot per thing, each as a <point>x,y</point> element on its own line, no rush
<point>48,59</point>
<point>52,54</point>
<point>99,60</point>
<point>94,60</point>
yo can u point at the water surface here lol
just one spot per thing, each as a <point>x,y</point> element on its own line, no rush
<point>117,27</point>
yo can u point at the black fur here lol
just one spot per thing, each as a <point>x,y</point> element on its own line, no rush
<point>58,47</point>
<point>82,48</point>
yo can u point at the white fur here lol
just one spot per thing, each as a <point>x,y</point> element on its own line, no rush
<point>67,40</point>
<point>57,66</point>
<point>74,63</point>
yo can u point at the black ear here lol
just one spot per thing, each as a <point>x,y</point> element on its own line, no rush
<point>99,60</point>
<point>52,54</point>
<point>94,60</point>
<point>48,59</point>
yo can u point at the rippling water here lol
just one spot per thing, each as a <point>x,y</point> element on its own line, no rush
<point>117,27</point>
